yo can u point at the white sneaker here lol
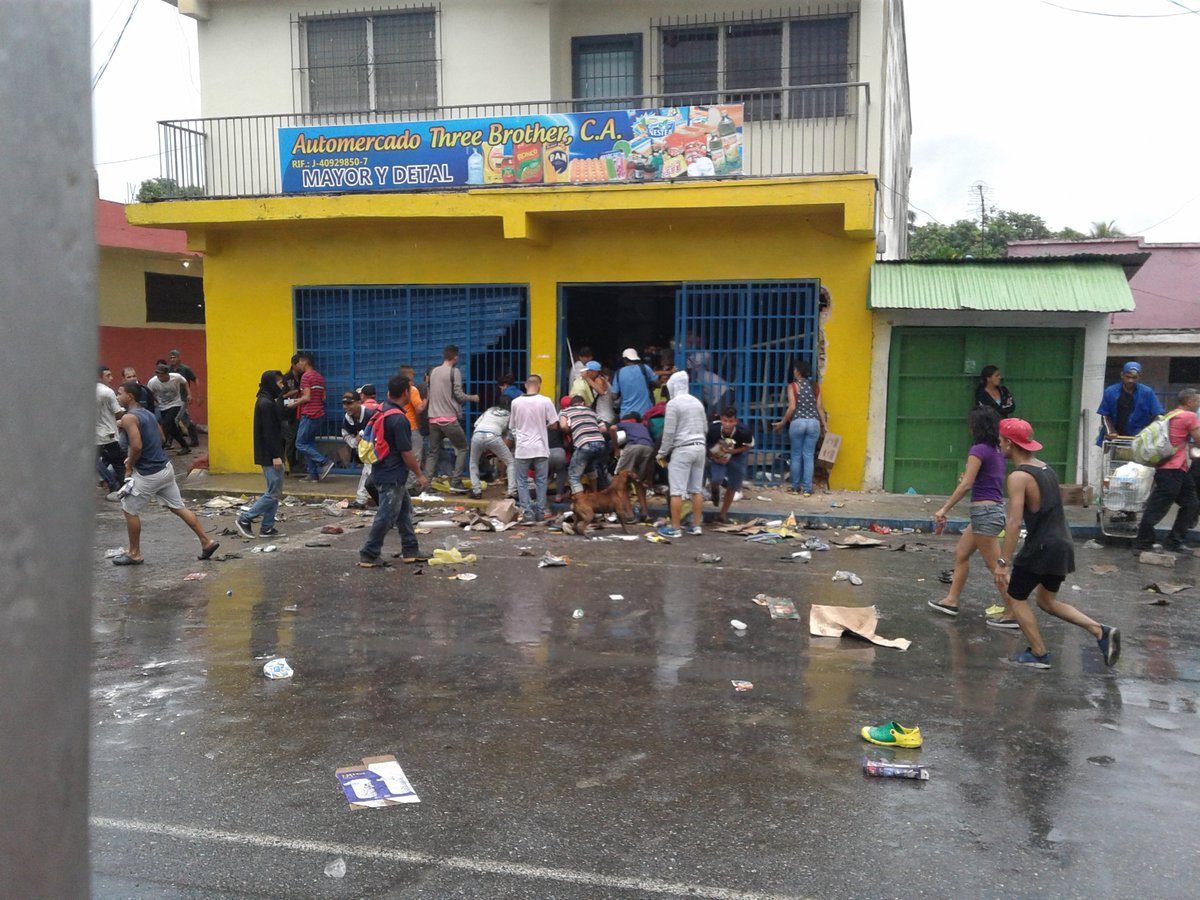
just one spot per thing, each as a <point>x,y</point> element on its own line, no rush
<point>695,530</point>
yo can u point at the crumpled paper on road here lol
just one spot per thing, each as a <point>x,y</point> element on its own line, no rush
<point>832,621</point>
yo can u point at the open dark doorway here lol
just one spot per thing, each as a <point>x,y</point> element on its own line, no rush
<point>610,317</point>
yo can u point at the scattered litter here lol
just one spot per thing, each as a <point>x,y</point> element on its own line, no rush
<point>115,551</point>
<point>1161,601</point>
<point>343,504</point>
<point>742,686</point>
<point>316,544</point>
<point>878,768</point>
<point>616,596</point>
<point>277,668</point>
<point>832,621</point>
<point>775,523</point>
<point>421,530</point>
<point>764,538</point>
<point>427,497</point>
<point>336,869</point>
<point>837,504</point>
<point>840,575</point>
<point>919,580</point>
<point>1093,545</point>
<point>332,529</point>
<point>708,558</point>
<point>221,503</point>
<point>577,614</point>
<point>1150,558</point>
<point>738,624</point>
<point>780,607</point>
<point>436,523</point>
<point>461,576</point>
<point>854,541</point>
<point>270,548</point>
<point>1167,587</point>
<point>1076,587</point>
<point>379,781</point>
<point>526,551</point>
<point>229,593</point>
<point>656,538</point>
<point>451,557</point>
<point>814,544</point>
<point>879,529</point>
<point>549,559</point>
<point>195,576</point>
<point>912,492</point>
<point>292,608</point>
<point>1105,569</point>
<point>764,499</point>
<point>624,537</point>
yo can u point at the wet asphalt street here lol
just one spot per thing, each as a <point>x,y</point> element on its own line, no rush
<point>609,756</point>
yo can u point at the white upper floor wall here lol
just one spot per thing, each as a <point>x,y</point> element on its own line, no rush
<point>264,57</point>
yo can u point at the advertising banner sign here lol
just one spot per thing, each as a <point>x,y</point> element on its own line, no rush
<point>636,145</point>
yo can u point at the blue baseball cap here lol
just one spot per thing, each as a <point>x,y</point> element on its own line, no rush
<point>593,366</point>
<point>1131,367</point>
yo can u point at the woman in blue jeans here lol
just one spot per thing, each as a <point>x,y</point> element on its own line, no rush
<point>805,419</point>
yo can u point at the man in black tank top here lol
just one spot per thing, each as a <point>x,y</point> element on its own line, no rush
<point>1047,556</point>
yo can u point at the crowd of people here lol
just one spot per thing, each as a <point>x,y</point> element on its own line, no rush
<point>643,420</point>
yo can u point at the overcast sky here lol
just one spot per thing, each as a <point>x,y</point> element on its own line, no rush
<point>1075,117</point>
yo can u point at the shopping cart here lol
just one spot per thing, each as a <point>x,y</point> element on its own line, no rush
<point>1124,488</point>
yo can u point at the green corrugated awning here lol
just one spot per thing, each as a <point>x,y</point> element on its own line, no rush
<point>1001,285</point>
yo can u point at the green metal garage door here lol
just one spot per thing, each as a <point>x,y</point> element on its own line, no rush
<point>931,388</point>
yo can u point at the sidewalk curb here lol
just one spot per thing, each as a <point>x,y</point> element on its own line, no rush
<point>919,524</point>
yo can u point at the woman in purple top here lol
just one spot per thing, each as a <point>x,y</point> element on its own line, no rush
<point>984,478</point>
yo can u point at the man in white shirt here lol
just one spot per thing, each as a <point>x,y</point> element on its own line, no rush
<point>528,421</point>
<point>169,390</point>
<point>110,460</point>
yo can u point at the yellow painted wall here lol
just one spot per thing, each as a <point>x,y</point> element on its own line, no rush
<point>251,269</point>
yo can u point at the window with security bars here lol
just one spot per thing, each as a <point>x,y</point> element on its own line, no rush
<point>606,69</point>
<point>361,333</point>
<point>754,62</point>
<point>376,62</point>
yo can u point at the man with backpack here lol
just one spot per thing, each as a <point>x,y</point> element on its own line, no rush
<point>391,440</point>
<point>1172,481</point>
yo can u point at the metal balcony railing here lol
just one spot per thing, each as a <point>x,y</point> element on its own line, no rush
<point>788,131</point>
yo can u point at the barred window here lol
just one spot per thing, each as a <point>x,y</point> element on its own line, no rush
<point>372,62</point>
<point>739,61</point>
<point>607,68</point>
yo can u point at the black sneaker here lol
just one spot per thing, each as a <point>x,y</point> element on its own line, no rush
<point>476,495</point>
<point>325,469</point>
<point>457,487</point>
<point>245,529</point>
<point>1110,644</point>
<point>354,504</point>
<point>269,532</point>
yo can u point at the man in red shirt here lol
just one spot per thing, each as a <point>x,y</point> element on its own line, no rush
<point>1172,481</point>
<point>311,405</point>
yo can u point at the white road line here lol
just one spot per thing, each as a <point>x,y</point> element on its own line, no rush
<point>410,857</point>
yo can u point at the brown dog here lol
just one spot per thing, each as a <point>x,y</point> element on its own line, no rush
<point>614,499</point>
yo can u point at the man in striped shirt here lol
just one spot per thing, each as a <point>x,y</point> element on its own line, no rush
<point>587,436</point>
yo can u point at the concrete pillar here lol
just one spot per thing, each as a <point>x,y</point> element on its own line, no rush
<point>47,350</point>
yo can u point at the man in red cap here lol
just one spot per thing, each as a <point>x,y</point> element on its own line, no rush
<point>1047,556</point>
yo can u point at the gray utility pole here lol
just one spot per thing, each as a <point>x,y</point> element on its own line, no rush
<point>47,349</point>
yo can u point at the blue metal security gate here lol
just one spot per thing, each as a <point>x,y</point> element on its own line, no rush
<point>360,335</point>
<point>737,341</point>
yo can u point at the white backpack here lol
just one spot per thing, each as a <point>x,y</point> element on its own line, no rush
<point>1153,444</point>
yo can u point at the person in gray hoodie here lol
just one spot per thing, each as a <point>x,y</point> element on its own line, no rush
<point>683,442</point>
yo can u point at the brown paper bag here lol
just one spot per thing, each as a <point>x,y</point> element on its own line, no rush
<point>830,447</point>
